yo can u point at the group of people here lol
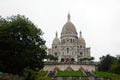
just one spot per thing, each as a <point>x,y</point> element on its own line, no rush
<point>52,74</point>
<point>88,73</point>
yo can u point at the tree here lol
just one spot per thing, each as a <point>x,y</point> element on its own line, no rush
<point>106,62</point>
<point>115,67</point>
<point>83,59</point>
<point>21,45</point>
<point>56,58</point>
<point>51,57</point>
<point>86,59</point>
<point>91,59</point>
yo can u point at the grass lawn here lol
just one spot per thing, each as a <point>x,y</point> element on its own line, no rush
<point>41,75</point>
<point>69,73</point>
<point>79,73</point>
<point>107,75</point>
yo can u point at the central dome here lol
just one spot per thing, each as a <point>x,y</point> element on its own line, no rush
<point>68,28</point>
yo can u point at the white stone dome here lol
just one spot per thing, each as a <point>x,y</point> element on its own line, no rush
<point>56,40</point>
<point>69,27</point>
<point>81,39</point>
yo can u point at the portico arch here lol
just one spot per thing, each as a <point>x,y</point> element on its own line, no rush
<point>62,59</point>
<point>72,59</point>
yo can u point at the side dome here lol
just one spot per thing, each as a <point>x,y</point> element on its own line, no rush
<point>81,39</point>
<point>56,40</point>
<point>69,28</point>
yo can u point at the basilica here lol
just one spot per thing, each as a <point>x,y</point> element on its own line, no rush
<point>69,47</point>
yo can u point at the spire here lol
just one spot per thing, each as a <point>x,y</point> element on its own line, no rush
<point>56,34</point>
<point>68,16</point>
<point>80,34</point>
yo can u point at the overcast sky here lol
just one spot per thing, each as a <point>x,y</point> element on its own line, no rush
<point>99,20</point>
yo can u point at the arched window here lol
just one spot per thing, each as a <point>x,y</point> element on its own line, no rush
<point>63,53</point>
<point>71,40</point>
<point>72,53</point>
<point>67,50</point>
<point>63,41</point>
<point>81,46</point>
<point>55,53</point>
<point>81,53</point>
<point>55,47</point>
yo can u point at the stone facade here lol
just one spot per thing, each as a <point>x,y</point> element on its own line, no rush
<point>69,47</point>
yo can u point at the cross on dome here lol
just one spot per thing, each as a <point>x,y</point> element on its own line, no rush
<point>56,34</point>
<point>80,34</point>
<point>68,16</point>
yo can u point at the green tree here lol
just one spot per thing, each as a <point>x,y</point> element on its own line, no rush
<point>21,45</point>
<point>86,59</point>
<point>115,67</point>
<point>83,59</point>
<point>51,57</point>
<point>106,62</point>
<point>56,58</point>
<point>91,59</point>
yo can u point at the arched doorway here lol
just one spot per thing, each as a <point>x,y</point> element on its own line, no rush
<point>62,59</point>
<point>72,60</point>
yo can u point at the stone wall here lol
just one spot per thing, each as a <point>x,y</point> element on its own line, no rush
<point>73,66</point>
